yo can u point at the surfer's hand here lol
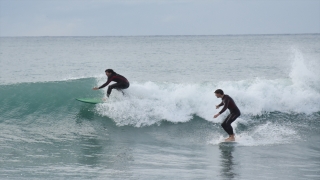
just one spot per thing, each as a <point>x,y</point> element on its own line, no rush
<point>215,116</point>
<point>95,88</point>
<point>217,106</point>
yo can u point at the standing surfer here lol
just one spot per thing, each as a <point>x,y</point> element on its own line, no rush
<point>121,82</point>
<point>227,102</point>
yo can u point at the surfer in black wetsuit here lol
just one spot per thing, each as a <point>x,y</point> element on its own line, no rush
<point>121,82</point>
<point>227,102</point>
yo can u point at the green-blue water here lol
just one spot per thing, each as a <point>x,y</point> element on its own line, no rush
<point>164,127</point>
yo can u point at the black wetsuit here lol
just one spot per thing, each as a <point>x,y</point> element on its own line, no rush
<point>122,83</point>
<point>228,102</point>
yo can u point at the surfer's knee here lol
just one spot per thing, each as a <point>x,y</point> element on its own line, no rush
<point>110,88</point>
<point>223,124</point>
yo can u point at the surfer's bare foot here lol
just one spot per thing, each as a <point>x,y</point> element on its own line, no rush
<point>104,99</point>
<point>230,138</point>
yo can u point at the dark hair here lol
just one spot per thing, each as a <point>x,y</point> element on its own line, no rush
<point>110,71</point>
<point>219,91</point>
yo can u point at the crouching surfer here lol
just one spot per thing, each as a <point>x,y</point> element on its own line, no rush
<point>227,103</point>
<point>121,82</point>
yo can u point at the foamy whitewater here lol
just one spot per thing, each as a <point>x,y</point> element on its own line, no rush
<point>163,127</point>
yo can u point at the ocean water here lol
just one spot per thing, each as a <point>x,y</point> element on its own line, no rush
<point>163,128</point>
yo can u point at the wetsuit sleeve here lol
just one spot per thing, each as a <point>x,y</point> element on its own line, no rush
<point>221,104</point>
<point>226,104</point>
<point>106,84</point>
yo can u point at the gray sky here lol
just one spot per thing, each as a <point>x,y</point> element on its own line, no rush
<point>157,17</point>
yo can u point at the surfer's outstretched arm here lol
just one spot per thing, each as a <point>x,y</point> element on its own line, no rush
<point>103,85</point>
<point>218,106</point>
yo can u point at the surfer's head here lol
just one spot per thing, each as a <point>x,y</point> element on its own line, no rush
<point>219,93</point>
<point>109,72</point>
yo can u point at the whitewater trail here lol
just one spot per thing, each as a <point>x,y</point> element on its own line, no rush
<point>150,103</point>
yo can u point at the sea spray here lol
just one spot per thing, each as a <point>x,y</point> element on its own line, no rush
<point>149,103</point>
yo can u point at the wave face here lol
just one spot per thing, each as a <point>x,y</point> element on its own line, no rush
<point>42,98</point>
<point>150,102</point>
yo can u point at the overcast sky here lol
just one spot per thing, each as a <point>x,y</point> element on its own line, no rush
<point>157,17</point>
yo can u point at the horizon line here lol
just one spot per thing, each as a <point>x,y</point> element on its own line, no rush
<point>167,35</point>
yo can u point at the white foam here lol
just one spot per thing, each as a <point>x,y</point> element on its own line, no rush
<point>149,103</point>
<point>263,135</point>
